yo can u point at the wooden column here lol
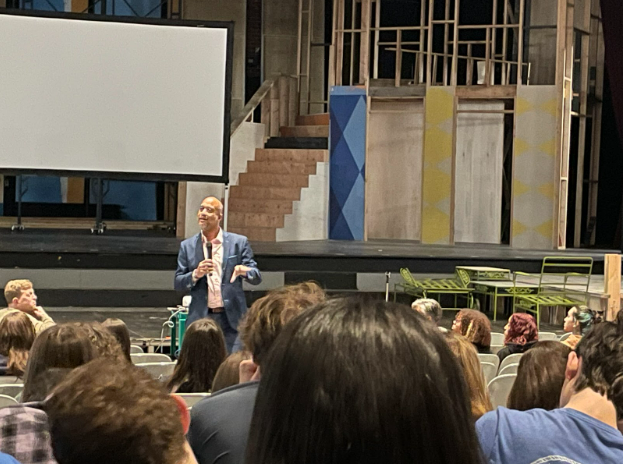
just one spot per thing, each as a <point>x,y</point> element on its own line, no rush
<point>180,226</point>
<point>364,49</point>
<point>612,285</point>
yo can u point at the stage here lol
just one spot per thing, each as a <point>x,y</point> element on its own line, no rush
<point>79,276</point>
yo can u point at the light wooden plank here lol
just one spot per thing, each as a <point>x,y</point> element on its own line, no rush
<point>394,164</point>
<point>612,284</point>
<point>180,222</point>
<point>479,172</point>
<point>364,49</point>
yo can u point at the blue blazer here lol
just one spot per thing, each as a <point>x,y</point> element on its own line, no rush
<point>236,250</point>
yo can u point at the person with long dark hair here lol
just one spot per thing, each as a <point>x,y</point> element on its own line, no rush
<point>120,331</point>
<point>520,334</point>
<point>540,377</point>
<point>203,350</point>
<point>351,381</point>
<point>17,334</point>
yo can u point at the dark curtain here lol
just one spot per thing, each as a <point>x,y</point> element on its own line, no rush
<point>612,14</point>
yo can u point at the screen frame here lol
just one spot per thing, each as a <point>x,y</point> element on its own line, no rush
<point>145,176</point>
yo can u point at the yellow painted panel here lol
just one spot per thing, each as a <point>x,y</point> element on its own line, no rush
<point>546,229</point>
<point>438,146</point>
<point>518,228</point>
<point>519,188</point>
<point>521,146</point>
<point>547,190</point>
<point>437,228</point>
<point>439,105</point>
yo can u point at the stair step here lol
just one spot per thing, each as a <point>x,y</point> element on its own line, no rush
<point>255,205</point>
<point>292,155</point>
<point>273,193</point>
<point>257,234</point>
<point>304,131</point>
<point>280,167</point>
<point>271,180</point>
<point>318,143</point>
<point>320,119</point>
<point>238,219</point>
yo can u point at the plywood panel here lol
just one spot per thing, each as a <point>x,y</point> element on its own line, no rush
<point>478,173</point>
<point>394,170</point>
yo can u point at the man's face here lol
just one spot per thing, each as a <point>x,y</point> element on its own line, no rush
<point>27,300</point>
<point>210,214</point>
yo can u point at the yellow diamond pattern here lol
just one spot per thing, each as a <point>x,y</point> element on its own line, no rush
<point>521,146</point>
<point>547,190</point>
<point>518,228</point>
<point>519,188</point>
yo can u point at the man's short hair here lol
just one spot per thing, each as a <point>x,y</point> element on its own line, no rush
<point>105,413</point>
<point>430,307</point>
<point>601,352</point>
<point>268,315</point>
<point>14,289</point>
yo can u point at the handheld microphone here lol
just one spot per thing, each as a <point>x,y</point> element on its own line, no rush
<point>209,247</point>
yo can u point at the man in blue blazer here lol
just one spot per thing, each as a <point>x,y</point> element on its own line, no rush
<point>209,265</point>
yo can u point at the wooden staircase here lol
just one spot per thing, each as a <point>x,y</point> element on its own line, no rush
<point>273,181</point>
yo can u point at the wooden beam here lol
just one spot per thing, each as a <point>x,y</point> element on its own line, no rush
<point>612,285</point>
<point>398,58</point>
<point>339,52</point>
<point>180,221</point>
<point>364,47</point>
<point>429,56</point>
<point>455,45</point>
<point>498,91</point>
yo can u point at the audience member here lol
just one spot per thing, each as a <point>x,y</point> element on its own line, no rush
<point>228,374</point>
<point>203,350</point>
<point>66,346</point>
<point>120,331</point>
<point>467,356</point>
<point>106,413</point>
<point>220,423</point>
<point>520,334</point>
<point>345,382</point>
<point>17,335</point>
<point>431,309</point>
<point>474,326</point>
<point>579,320</point>
<point>20,296</point>
<point>540,377</point>
<point>584,428</point>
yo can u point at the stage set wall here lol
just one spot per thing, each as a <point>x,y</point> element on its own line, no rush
<point>431,169</point>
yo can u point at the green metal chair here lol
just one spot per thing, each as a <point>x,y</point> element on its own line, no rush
<point>459,285</point>
<point>564,281</point>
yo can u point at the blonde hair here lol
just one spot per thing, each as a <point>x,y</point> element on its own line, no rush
<point>467,356</point>
<point>14,289</point>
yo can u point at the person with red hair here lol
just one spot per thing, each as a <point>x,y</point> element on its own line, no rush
<point>520,334</point>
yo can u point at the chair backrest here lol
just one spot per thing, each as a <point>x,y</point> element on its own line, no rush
<point>565,336</point>
<point>11,390</point>
<point>495,348</point>
<point>407,276</point>
<point>510,359</point>
<point>562,274</point>
<point>135,349</point>
<point>499,389</point>
<point>6,401</point>
<point>192,398</point>
<point>489,358</point>
<point>149,358</point>
<point>159,371</point>
<point>489,370</point>
<point>509,369</point>
<point>497,338</point>
<point>547,336</point>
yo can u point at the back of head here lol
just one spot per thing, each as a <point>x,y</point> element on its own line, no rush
<point>105,413</point>
<point>228,373</point>
<point>67,346</point>
<point>522,329</point>
<point>17,335</point>
<point>601,353</point>
<point>361,382</point>
<point>120,331</point>
<point>14,289</point>
<point>476,327</point>
<point>540,377</point>
<point>468,359</point>
<point>429,308</point>
<point>203,351</point>
<point>586,318</point>
<point>268,315</point>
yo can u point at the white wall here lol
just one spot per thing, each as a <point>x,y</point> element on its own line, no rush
<point>242,149</point>
<point>310,215</point>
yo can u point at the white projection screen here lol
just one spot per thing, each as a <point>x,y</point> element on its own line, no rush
<point>109,97</point>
